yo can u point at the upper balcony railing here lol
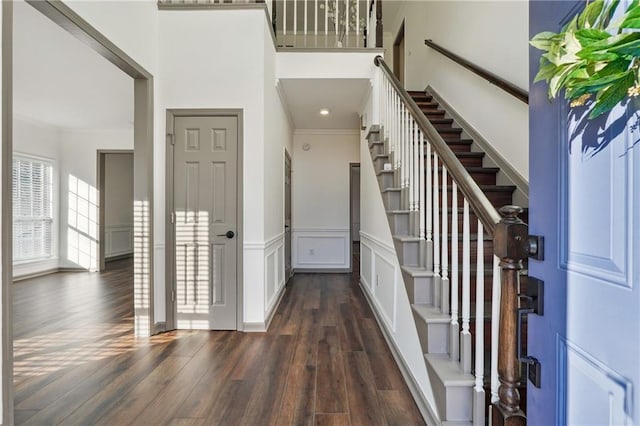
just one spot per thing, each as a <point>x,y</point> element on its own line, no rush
<point>311,24</point>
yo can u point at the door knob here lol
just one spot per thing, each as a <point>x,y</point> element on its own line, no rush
<point>229,234</point>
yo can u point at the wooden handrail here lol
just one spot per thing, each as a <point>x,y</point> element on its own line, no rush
<point>487,75</point>
<point>478,201</point>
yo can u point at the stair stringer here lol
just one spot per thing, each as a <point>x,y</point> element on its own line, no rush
<point>389,300</point>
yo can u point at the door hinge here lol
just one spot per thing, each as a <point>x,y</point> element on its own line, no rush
<point>172,217</point>
<point>172,139</point>
<point>173,296</point>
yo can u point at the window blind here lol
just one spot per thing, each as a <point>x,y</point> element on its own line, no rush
<point>32,209</point>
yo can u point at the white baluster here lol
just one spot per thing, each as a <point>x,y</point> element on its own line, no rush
<point>306,33</point>
<point>337,20</point>
<point>357,23</point>
<point>326,22</point>
<point>454,337</point>
<point>284,23</point>
<point>436,233</point>
<point>346,25</point>
<point>411,170</point>
<point>478,406</point>
<point>495,327</point>
<point>295,23</point>
<point>422,189</point>
<point>315,25</point>
<point>444,304</point>
<point>429,199</point>
<point>465,343</point>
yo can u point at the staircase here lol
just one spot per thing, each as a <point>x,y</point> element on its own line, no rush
<point>451,302</point>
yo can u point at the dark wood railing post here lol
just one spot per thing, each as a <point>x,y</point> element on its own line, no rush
<point>379,23</point>
<point>510,245</point>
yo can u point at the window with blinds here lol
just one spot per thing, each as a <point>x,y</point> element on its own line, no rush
<point>32,209</point>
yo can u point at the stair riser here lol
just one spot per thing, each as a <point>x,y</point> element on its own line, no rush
<point>376,149</point>
<point>470,161</point>
<point>434,337</point>
<point>391,200</point>
<point>408,252</point>
<point>497,198</point>
<point>454,403</point>
<point>479,177</point>
<point>418,288</point>
<point>399,223</point>
<point>379,163</point>
<point>386,180</point>
<point>473,248</point>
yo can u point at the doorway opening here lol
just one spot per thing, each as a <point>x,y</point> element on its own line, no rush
<point>354,215</point>
<point>140,300</point>
<point>398,55</point>
<point>115,218</point>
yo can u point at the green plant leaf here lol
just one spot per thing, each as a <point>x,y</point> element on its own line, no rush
<point>545,71</point>
<point>556,83</point>
<point>590,14</point>
<point>608,14</point>
<point>543,40</point>
<point>613,41</point>
<point>631,49</point>
<point>611,96</point>
<point>588,36</point>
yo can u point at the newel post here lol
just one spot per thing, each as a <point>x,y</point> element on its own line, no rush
<point>510,245</point>
<point>378,23</point>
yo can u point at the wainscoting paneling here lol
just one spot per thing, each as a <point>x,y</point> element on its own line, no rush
<point>378,260</point>
<point>263,299</point>
<point>321,248</point>
<point>118,240</point>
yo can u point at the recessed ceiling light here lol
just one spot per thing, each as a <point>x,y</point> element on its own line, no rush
<point>324,111</point>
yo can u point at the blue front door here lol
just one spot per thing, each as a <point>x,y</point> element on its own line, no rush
<point>585,200</point>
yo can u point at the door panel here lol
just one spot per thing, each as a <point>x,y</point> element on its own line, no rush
<point>583,177</point>
<point>205,188</point>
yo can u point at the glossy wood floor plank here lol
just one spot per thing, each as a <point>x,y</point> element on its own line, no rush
<point>323,361</point>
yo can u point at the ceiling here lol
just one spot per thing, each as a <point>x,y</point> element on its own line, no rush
<point>344,98</point>
<point>62,82</point>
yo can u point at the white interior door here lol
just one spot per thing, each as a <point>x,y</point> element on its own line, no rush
<point>205,191</point>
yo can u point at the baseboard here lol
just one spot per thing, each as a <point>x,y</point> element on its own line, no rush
<point>262,327</point>
<point>427,412</point>
<point>35,274</point>
<point>46,272</point>
<point>322,271</point>
<point>118,257</point>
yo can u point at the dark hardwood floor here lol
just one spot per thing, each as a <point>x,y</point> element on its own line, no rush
<point>323,361</point>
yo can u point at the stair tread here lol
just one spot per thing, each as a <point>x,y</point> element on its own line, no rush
<point>398,211</point>
<point>430,314</point>
<point>392,190</point>
<point>381,172</point>
<point>406,238</point>
<point>448,371</point>
<point>380,156</point>
<point>475,169</point>
<point>417,271</point>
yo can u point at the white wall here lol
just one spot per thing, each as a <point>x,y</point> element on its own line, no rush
<point>78,192</point>
<point>491,34</point>
<point>41,140</point>
<point>118,204</point>
<point>198,70</point>
<point>320,192</point>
